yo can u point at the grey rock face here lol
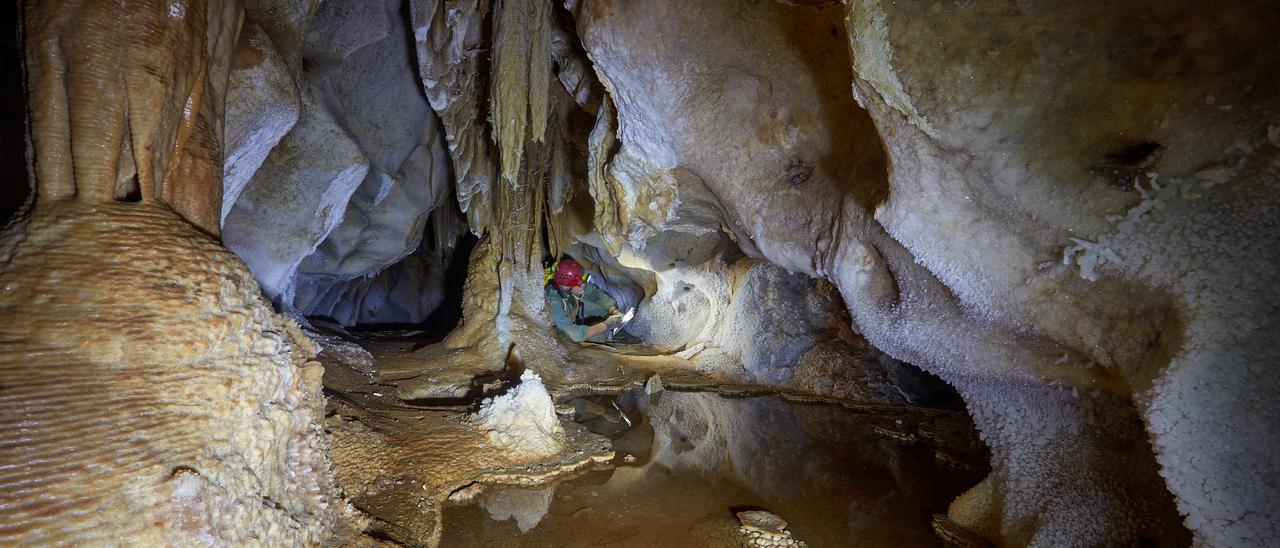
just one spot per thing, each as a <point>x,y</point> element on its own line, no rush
<point>262,105</point>
<point>353,185</point>
<point>295,199</point>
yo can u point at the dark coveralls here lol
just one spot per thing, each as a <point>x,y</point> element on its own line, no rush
<point>573,315</point>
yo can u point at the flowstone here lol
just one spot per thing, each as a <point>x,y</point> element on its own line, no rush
<point>199,420</point>
<point>151,395</point>
<point>401,462</point>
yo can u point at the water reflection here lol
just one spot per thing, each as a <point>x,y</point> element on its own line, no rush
<point>839,477</point>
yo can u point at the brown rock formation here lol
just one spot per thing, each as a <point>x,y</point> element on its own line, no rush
<point>148,393</point>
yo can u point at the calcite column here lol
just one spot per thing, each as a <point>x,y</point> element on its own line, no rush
<point>148,394</point>
<point>504,279</point>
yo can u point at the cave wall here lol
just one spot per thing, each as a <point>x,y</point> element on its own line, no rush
<point>752,321</point>
<point>1147,265</point>
<point>350,186</point>
<point>991,231</point>
<point>409,291</point>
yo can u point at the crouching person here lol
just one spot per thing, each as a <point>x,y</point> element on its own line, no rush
<point>580,309</point>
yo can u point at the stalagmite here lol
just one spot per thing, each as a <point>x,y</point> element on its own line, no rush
<point>523,421</point>
<point>151,395</point>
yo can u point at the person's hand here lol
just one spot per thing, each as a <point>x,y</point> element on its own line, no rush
<point>613,320</point>
<point>613,310</point>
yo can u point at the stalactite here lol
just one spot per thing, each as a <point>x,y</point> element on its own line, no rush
<point>566,153</point>
<point>509,94</point>
<point>539,69</point>
<point>519,105</point>
<point>451,48</point>
<point>536,174</point>
<point>557,233</point>
<point>521,79</point>
<point>560,177</point>
<point>563,170</point>
<point>447,226</point>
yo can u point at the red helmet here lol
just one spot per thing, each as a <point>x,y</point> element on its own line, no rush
<point>568,273</point>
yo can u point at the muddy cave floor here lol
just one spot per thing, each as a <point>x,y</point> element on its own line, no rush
<point>639,468</point>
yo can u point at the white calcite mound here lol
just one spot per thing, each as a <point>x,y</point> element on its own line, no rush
<point>523,421</point>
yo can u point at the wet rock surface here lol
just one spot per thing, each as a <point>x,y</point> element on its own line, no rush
<point>661,438</point>
<point>711,465</point>
<point>398,462</point>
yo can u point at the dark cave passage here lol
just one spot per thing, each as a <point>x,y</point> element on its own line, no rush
<point>13,111</point>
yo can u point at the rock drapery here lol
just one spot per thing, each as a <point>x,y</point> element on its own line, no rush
<point>150,394</point>
<point>450,41</point>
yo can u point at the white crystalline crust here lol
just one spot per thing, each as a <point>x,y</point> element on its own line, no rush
<point>522,421</point>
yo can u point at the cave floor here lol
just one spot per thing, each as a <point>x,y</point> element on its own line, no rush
<point>833,474</point>
<point>398,463</point>
<point>423,474</point>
